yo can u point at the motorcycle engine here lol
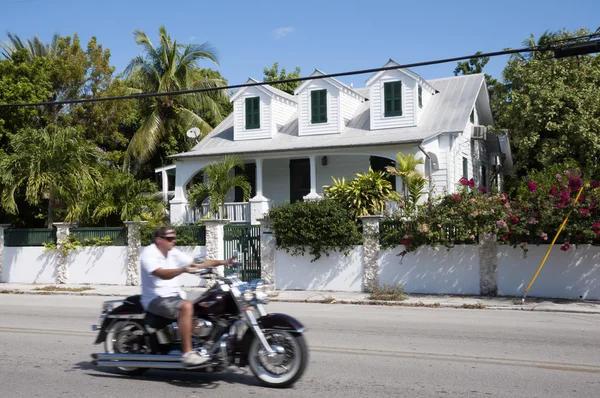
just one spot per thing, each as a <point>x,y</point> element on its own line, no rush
<point>201,327</point>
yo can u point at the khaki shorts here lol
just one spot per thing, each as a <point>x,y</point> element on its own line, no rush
<point>167,307</point>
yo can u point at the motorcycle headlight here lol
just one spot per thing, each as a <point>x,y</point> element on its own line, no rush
<point>248,295</point>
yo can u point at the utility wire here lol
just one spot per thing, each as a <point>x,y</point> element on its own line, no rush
<point>299,79</point>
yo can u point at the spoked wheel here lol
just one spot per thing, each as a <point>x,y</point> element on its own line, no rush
<point>286,366</point>
<point>127,337</point>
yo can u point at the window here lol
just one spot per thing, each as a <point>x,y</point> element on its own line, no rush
<point>472,117</point>
<point>393,98</point>
<point>253,113</point>
<point>465,168</point>
<point>318,101</point>
<point>420,96</point>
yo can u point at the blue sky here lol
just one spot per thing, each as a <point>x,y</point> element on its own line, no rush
<point>333,36</point>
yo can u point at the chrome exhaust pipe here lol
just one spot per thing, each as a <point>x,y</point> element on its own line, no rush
<point>136,357</point>
<point>142,364</point>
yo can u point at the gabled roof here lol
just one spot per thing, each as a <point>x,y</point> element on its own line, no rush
<point>407,72</point>
<point>331,80</point>
<point>447,112</point>
<point>267,89</point>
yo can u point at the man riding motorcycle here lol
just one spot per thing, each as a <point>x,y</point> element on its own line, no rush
<point>162,294</point>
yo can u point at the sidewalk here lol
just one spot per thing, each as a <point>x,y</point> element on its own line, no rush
<point>414,300</point>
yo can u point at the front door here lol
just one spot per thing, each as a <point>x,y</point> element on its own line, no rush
<point>250,173</point>
<point>299,179</point>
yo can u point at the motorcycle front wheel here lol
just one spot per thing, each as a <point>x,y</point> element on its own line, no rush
<point>286,366</point>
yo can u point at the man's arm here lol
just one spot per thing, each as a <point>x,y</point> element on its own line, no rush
<point>171,273</point>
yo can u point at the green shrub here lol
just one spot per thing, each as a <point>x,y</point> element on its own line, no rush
<point>314,226</point>
<point>186,235</point>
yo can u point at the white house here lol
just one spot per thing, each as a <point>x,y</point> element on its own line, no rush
<point>293,144</point>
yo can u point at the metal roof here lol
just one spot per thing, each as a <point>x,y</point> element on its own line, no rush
<point>447,111</point>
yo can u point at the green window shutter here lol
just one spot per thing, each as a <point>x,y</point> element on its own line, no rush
<point>318,102</point>
<point>253,113</point>
<point>465,168</point>
<point>392,98</point>
<point>420,97</point>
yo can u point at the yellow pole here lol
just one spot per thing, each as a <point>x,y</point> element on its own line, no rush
<point>550,248</point>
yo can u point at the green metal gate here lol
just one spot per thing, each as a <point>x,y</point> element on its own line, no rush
<point>246,240</point>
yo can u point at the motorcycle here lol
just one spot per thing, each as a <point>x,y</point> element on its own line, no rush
<point>230,325</point>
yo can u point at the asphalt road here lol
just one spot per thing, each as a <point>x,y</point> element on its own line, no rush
<point>356,351</point>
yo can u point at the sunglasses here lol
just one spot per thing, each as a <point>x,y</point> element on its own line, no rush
<point>169,238</point>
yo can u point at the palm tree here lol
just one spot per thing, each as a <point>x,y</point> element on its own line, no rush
<point>171,67</point>
<point>413,181</point>
<point>35,47</point>
<point>219,183</point>
<point>121,196</point>
<point>53,164</point>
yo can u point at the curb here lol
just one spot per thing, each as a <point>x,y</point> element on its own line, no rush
<point>476,306</point>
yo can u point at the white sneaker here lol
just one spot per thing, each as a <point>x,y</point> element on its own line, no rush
<point>194,358</point>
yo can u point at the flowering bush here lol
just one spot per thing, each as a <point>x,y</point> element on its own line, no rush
<point>533,216</point>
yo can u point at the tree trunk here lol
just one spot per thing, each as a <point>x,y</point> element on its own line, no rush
<point>50,215</point>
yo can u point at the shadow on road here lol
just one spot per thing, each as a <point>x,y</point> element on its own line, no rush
<point>188,379</point>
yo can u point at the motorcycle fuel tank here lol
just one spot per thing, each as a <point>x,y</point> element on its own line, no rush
<point>216,303</point>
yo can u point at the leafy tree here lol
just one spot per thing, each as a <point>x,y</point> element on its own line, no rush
<point>22,81</point>
<point>170,67</point>
<point>413,182</point>
<point>55,165</point>
<point>273,74</point>
<point>219,183</point>
<point>552,111</point>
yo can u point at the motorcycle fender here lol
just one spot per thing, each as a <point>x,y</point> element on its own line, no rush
<point>281,322</point>
<point>270,321</point>
<point>122,309</point>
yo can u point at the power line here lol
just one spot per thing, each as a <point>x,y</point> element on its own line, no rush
<point>299,79</point>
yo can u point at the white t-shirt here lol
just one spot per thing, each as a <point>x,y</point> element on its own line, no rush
<point>153,286</point>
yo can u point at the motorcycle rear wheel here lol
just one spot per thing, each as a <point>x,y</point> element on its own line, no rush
<point>292,361</point>
<point>119,337</point>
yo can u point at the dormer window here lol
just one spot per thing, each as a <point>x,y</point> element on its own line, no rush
<point>393,98</point>
<point>420,96</point>
<point>318,106</point>
<point>252,113</point>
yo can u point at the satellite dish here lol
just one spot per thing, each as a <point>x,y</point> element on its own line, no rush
<point>194,132</point>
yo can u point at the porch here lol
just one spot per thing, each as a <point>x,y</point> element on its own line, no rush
<point>277,180</point>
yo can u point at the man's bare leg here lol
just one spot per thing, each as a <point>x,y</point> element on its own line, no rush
<point>186,312</point>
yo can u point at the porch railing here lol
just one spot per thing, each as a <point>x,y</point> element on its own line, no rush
<point>236,212</point>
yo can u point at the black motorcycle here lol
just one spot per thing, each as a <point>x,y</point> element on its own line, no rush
<point>230,325</point>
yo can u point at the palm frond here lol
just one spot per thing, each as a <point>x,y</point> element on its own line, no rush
<point>144,142</point>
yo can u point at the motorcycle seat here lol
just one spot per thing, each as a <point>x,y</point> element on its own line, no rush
<point>157,321</point>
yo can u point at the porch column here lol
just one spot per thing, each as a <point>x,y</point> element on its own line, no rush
<point>2,228</point>
<point>165,186</point>
<point>313,195</point>
<point>259,205</point>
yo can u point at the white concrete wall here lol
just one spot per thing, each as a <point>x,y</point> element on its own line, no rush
<point>426,271</point>
<point>334,273</point>
<point>104,265</point>
<point>574,274</point>
<point>28,265</point>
